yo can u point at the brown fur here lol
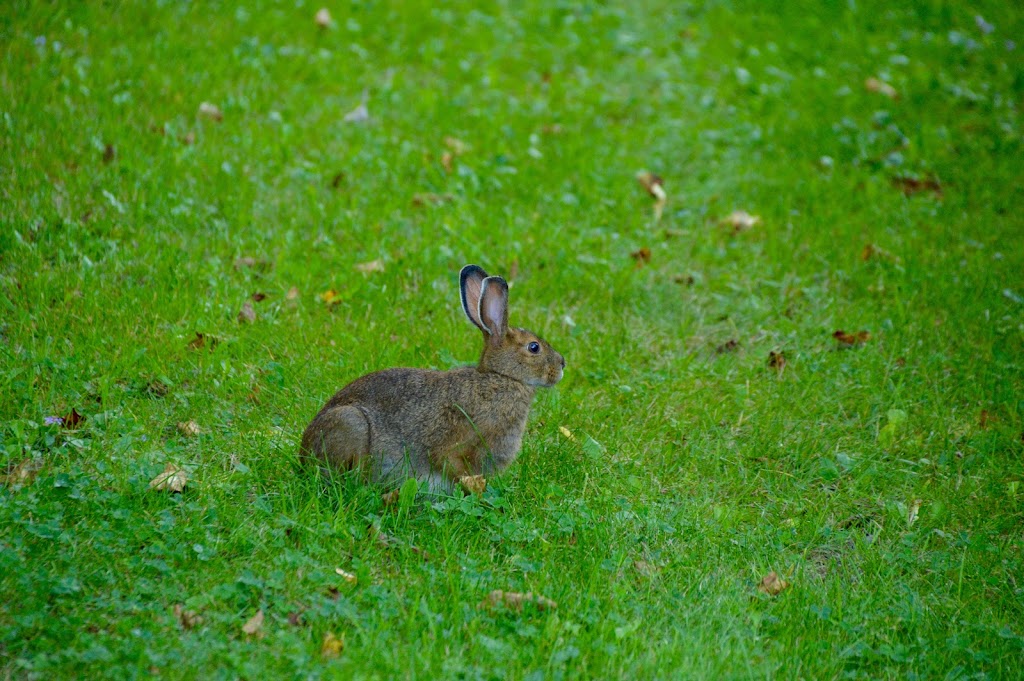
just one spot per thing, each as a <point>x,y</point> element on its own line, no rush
<point>438,426</point>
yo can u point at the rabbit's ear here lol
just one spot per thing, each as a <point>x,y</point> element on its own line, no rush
<point>471,281</point>
<point>494,307</point>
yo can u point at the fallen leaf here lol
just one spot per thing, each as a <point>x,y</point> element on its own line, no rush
<point>872,251</point>
<point>915,506</point>
<point>72,420</point>
<point>254,627</point>
<point>391,498</point>
<point>323,18</point>
<point>210,111</point>
<point>189,138</point>
<point>189,428</point>
<point>259,297</point>
<point>172,479</point>
<point>202,340</point>
<point>849,340</point>
<point>777,360</point>
<point>641,256</point>
<point>655,186</point>
<point>295,618</point>
<point>292,294</point>
<point>332,645</point>
<point>247,315</point>
<point>741,221</point>
<point>567,433</point>
<point>369,267</point>
<point>473,484</point>
<point>913,185</point>
<point>772,584</point>
<point>446,161</point>
<point>187,618</point>
<point>881,87</point>
<point>728,346</point>
<point>24,473</point>
<point>347,576</point>
<point>429,198</point>
<point>515,601</point>
<point>457,146</point>
<point>109,153</point>
<point>331,297</point>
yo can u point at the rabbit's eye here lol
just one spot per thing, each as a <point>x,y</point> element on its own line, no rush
<point>533,347</point>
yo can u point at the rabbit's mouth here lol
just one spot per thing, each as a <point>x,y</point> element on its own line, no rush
<point>547,381</point>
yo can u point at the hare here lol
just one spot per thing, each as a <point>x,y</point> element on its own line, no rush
<point>441,426</point>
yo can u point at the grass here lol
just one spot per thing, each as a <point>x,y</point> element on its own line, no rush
<point>881,481</point>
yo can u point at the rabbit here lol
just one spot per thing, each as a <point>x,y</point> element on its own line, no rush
<point>440,426</point>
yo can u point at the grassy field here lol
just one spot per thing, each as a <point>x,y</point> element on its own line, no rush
<point>183,284</point>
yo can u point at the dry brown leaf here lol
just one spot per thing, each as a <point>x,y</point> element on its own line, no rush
<point>849,340</point>
<point>370,267</point>
<point>777,360</point>
<point>913,185</point>
<point>984,419</point>
<point>457,146</point>
<point>446,161</point>
<point>295,618</point>
<point>741,221</point>
<point>254,627</point>
<point>347,576</point>
<point>109,153</point>
<point>323,18</point>
<point>189,138</point>
<point>473,484</point>
<point>187,618</point>
<point>391,498</point>
<point>728,346</point>
<point>655,186</point>
<point>189,428</point>
<point>172,479</point>
<point>72,420</point>
<point>881,87</point>
<point>24,473</point>
<point>431,199</point>
<point>292,294</point>
<point>202,341</point>
<point>211,111</point>
<point>259,297</point>
<point>641,256</point>
<point>915,506</point>
<point>332,645</point>
<point>246,315</point>
<point>331,297</point>
<point>871,251</point>
<point>515,601</point>
<point>772,584</point>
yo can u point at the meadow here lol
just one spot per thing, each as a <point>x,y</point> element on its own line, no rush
<point>790,437</point>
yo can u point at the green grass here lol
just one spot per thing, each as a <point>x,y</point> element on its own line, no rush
<point>694,471</point>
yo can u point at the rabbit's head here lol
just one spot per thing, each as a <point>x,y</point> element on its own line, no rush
<point>516,353</point>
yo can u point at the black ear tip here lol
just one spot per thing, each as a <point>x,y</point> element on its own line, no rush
<point>471,270</point>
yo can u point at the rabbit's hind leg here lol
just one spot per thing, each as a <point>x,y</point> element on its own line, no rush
<point>339,437</point>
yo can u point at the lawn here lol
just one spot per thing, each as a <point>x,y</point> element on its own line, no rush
<point>808,360</point>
